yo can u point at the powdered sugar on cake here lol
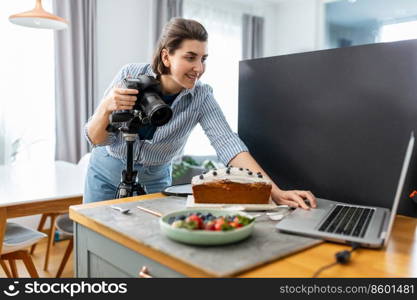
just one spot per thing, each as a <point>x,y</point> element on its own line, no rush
<point>232,174</point>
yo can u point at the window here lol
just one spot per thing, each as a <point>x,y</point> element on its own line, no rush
<point>399,31</point>
<point>222,71</point>
<point>27,108</point>
<point>352,23</point>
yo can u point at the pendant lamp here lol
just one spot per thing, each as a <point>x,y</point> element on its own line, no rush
<point>39,18</point>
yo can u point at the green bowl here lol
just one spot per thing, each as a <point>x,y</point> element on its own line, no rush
<point>204,237</point>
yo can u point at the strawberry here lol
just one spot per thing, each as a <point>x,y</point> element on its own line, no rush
<point>218,226</point>
<point>235,224</point>
<point>210,225</point>
<point>197,220</point>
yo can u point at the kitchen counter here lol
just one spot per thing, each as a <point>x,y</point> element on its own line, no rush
<point>110,244</point>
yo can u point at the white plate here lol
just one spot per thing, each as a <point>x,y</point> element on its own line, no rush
<point>248,207</point>
<point>181,190</point>
<point>204,237</point>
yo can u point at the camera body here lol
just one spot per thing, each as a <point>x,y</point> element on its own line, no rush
<point>149,107</point>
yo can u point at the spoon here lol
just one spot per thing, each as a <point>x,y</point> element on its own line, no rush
<point>122,210</point>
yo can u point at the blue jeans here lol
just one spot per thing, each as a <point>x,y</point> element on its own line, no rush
<point>104,175</point>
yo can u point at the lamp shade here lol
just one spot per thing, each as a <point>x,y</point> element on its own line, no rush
<point>39,18</point>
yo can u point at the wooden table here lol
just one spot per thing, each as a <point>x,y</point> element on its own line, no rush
<point>33,189</point>
<point>399,259</point>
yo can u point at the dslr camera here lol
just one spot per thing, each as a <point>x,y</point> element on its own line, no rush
<point>149,107</point>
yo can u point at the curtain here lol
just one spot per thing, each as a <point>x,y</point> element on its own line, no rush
<point>252,36</point>
<point>164,11</point>
<point>74,76</point>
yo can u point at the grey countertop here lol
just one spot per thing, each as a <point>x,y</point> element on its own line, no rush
<point>265,244</point>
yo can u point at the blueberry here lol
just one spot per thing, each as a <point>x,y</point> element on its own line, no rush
<point>228,171</point>
<point>214,173</point>
<point>171,220</point>
<point>182,217</point>
<point>201,176</point>
<point>250,173</point>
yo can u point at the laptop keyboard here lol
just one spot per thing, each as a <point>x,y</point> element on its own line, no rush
<point>348,220</point>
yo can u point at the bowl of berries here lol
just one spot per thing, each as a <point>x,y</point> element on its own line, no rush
<point>207,226</point>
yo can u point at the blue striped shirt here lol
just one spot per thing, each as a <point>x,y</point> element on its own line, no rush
<point>192,106</point>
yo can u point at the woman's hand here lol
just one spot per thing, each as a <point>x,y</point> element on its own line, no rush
<point>290,198</point>
<point>294,198</point>
<point>119,99</point>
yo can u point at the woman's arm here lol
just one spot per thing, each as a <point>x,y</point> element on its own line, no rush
<point>96,127</point>
<point>117,99</point>
<point>293,198</point>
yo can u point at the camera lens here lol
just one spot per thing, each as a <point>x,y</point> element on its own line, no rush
<point>161,115</point>
<point>158,112</point>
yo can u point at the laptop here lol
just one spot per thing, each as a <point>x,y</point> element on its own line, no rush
<point>368,226</point>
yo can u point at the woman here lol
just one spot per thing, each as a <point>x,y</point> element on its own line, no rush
<point>178,63</point>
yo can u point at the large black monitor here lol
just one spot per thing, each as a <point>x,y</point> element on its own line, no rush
<point>336,122</point>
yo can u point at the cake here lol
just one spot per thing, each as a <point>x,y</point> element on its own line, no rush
<point>231,185</point>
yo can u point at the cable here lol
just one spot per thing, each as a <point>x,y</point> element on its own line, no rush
<point>342,257</point>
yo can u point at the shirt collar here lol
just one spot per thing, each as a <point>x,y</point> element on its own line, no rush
<point>188,91</point>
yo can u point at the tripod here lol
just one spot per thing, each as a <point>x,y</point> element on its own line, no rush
<point>129,185</point>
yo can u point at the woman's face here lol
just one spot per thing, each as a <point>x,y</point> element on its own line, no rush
<point>187,64</point>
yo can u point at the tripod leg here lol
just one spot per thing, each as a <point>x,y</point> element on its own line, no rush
<point>121,193</point>
<point>137,187</point>
<point>128,185</point>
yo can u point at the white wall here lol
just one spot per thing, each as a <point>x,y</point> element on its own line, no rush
<point>271,34</point>
<point>123,35</point>
<point>299,26</point>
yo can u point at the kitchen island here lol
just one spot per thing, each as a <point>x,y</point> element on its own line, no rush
<point>111,244</point>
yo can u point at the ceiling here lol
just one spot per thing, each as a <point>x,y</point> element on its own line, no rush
<point>351,12</point>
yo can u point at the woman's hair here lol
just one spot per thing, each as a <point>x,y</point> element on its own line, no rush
<point>174,33</point>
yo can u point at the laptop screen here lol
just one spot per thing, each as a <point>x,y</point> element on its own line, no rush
<point>400,186</point>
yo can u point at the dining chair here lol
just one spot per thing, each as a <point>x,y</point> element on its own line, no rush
<point>16,241</point>
<point>66,226</point>
<point>50,235</point>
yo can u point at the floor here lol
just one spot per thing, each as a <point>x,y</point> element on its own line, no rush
<point>57,253</point>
